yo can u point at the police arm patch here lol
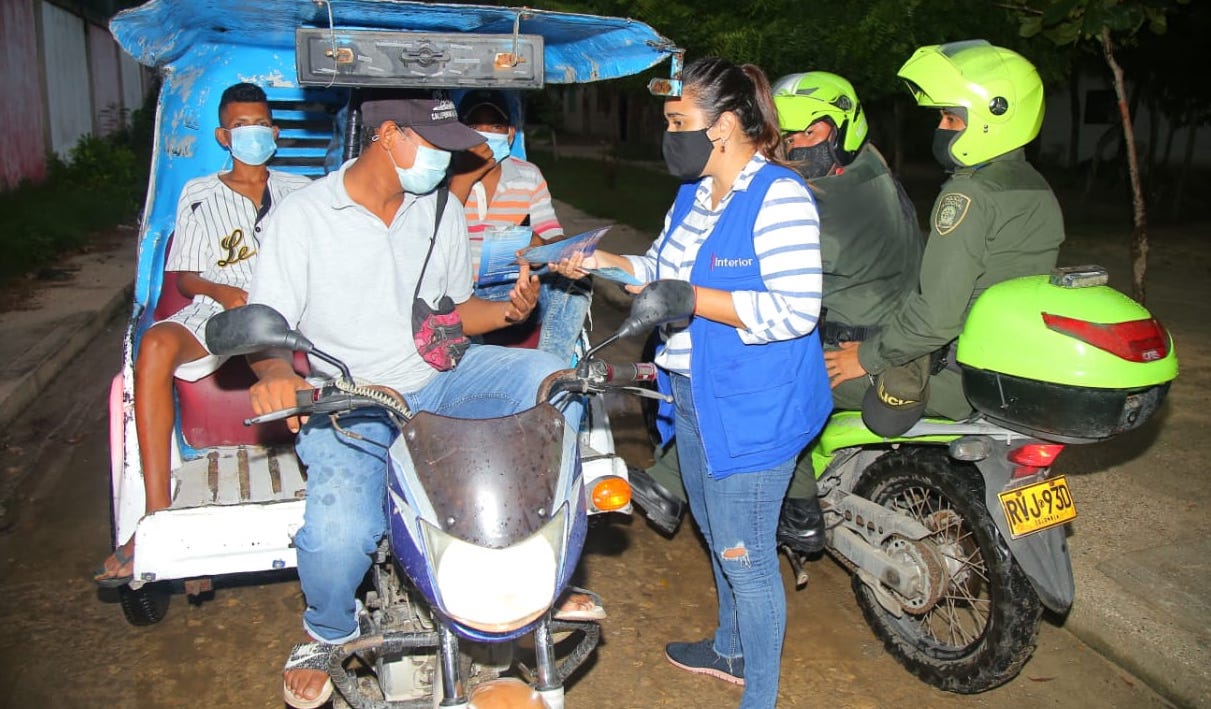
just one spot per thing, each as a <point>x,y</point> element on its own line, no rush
<point>952,208</point>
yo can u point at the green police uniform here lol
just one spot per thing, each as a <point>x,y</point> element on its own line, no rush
<point>870,248</point>
<point>870,242</point>
<point>990,223</point>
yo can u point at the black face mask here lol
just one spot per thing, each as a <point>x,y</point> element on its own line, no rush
<point>686,153</point>
<point>942,138</point>
<point>816,161</point>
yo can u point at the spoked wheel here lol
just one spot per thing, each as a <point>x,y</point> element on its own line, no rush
<point>147,605</point>
<point>977,621</point>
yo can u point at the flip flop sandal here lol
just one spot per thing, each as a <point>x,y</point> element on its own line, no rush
<point>114,581</point>
<point>308,656</point>
<point>597,612</point>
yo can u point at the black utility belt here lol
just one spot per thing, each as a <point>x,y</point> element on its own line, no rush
<point>834,333</point>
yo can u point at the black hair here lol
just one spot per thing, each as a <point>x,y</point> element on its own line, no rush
<point>718,85</point>
<point>241,93</point>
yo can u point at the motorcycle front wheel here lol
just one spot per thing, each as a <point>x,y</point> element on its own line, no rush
<point>980,620</point>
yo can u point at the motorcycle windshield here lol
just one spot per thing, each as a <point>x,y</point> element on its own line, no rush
<point>490,482</point>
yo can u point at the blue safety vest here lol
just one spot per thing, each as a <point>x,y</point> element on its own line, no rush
<point>757,405</point>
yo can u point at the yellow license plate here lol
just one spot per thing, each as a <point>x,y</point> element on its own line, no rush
<point>1038,506</point>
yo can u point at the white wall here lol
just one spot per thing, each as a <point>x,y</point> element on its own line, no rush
<point>67,82</point>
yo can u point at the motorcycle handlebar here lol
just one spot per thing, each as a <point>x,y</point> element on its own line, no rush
<point>321,400</point>
<point>600,375</point>
<point>630,373</point>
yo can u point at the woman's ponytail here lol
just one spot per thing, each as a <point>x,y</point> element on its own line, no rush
<point>718,85</point>
<point>769,138</point>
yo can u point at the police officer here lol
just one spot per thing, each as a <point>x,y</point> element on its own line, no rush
<point>994,219</point>
<point>871,251</point>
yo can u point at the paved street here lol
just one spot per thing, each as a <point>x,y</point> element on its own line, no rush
<point>61,645</point>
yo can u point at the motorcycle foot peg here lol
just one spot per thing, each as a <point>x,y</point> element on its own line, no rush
<point>798,566</point>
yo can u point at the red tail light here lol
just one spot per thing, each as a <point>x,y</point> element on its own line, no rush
<point>1134,341</point>
<point>1036,455</point>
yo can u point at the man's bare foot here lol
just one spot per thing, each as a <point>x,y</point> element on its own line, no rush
<point>305,684</point>
<point>581,604</point>
<point>118,568</point>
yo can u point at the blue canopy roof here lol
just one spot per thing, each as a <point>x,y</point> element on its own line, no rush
<point>579,48</point>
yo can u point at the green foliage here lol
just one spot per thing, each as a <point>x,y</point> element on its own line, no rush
<point>1070,21</point>
<point>102,184</point>
<point>865,41</point>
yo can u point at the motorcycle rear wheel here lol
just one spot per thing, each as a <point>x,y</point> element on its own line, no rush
<point>984,625</point>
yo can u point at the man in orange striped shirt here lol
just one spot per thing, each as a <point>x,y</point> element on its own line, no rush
<point>500,190</point>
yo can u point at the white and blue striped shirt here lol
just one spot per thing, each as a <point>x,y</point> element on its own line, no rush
<point>786,238</point>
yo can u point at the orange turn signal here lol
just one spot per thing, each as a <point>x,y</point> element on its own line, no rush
<point>611,493</point>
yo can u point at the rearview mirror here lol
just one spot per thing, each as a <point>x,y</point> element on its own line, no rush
<point>252,328</point>
<point>660,302</point>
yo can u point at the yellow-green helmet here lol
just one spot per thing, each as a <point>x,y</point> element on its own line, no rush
<point>997,89</point>
<point>803,99</point>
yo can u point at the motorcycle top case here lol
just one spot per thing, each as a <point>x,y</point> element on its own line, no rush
<point>1064,356</point>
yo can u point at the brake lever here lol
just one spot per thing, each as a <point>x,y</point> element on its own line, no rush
<point>277,415</point>
<point>647,393</point>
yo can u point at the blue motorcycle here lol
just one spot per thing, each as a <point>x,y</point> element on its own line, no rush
<point>487,523</point>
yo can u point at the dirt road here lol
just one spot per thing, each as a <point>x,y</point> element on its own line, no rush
<point>64,645</point>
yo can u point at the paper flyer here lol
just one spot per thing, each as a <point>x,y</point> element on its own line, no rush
<point>618,275</point>
<point>585,243</point>
<point>498,257</point>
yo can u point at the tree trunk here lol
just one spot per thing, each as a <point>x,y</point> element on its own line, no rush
<point>1139,236</point>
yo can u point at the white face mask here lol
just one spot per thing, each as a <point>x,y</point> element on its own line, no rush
<point>427,171</point>
<point>499,142</point>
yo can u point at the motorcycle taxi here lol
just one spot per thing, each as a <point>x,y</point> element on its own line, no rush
<point>238,491</point>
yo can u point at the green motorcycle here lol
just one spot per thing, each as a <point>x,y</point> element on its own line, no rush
<point>955,531</point>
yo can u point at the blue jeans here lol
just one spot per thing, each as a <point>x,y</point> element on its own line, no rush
<point>562,307</point>
<point>738,516</point>
<point>345,514</point>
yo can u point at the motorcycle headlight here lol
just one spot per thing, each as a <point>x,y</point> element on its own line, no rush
<point>497,590</point>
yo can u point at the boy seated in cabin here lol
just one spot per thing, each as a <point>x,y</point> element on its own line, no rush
<point>214,246</point>
<point>499,190</point>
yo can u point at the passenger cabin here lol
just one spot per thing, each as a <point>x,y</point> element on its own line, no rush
<point>237,490</point>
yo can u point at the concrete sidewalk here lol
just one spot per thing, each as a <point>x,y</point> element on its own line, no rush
<point>1139,548</point>
<point>63,312</point>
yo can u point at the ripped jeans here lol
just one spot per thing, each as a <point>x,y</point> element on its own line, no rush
<point>738,516</point>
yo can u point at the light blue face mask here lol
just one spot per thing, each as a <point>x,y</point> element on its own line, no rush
<point>499,143</point>
<point>427,171</point>
<point>252,145</point>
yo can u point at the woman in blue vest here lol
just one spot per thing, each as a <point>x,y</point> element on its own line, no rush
<point>746,371</point>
